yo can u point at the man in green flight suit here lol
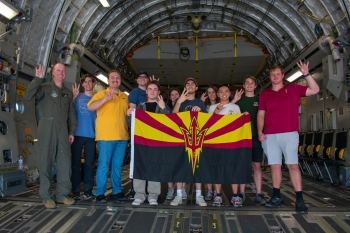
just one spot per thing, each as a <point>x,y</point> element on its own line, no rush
<point>56,128</point>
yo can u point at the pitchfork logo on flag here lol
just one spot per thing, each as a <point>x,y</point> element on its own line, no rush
<point>183,147</point>
<point>194,138</point>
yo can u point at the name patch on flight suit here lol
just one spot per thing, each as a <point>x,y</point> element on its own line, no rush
<point>54,94</point>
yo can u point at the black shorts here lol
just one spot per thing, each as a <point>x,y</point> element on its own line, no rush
<point>257,150</point>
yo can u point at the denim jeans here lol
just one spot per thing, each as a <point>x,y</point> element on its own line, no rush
<point>110,151</point>
<point>89,157</point>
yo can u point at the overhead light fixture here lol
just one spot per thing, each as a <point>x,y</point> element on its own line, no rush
<point>7,9</point>
<point>102,78</point>
<point>294,76</point>
<point>105,3</point>
<point>127,93</point>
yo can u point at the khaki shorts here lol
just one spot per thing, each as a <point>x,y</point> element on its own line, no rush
<point>276,144</point>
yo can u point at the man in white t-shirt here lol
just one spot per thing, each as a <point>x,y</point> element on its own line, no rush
<point>225,107</point>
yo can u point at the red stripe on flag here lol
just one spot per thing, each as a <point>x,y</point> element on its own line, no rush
<point>239,122</point>
<point>175,118</point>
<point>230,145</point>
<point>149,142</point>
<point>212,120</point>
<point>148,120</point>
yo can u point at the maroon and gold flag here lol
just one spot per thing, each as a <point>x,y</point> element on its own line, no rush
<point>191,147</point>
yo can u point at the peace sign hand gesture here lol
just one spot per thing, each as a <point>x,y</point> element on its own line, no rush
<point>160,102</point>
<point>183,96</point>
<point>204,97</point>
<point>39,71</point>
<point>75,90</point>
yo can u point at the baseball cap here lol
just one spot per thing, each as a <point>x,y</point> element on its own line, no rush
<point>190,79</point>
<point>141,72</point>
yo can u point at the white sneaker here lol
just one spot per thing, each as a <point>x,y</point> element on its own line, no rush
<point>170,194</point>
<point>153,202</point>
<point>184,194</point>
<point>137,202</point>
<point>177,200</point>
<point>200,201</point>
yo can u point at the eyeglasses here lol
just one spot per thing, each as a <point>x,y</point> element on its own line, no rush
<point>88,81</point>
<point>143,76</point>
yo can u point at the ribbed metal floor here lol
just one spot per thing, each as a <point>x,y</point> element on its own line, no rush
<point>329,211</point>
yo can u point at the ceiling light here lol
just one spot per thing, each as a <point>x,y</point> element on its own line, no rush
<point>294,76</point>
<point>105,3</point>
<point>102,78</point>
<point>127,93</point>
<point>7,9</point>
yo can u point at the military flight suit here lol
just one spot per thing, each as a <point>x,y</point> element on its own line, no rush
<point>57,121</point>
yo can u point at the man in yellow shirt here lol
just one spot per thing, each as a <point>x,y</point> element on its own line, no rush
<point>111,136</point>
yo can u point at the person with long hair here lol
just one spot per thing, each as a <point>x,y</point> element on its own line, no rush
<point>174,94</point>
<point>210,97</point>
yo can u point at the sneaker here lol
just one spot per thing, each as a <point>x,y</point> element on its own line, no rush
<point>49,204</point>
<point>274,202</point>
<point>132,194</point>
<point>300,206</point>
<point>184,194</point>
<point>236,201</point>
<point>101,199</point>
<point>242,195</point>
<point>260,199</point>
<point>177,200</point>
<point>137,202</point>
<point>66,201</point>
<point>76,196</point>
<point>119,197</point>
<point>152,202</point>
<point>170,194</point>
<point>217,201</point>
<point>88,195</point>
<point>209,196</point>
<point>200,201</point>
<point>214,194</point>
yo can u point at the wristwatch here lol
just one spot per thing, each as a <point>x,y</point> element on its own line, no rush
<point>305,75</point>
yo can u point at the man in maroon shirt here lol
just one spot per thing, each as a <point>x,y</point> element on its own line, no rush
<point>278,128</point>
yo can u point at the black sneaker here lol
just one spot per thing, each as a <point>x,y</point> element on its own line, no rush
<point>300,206</point>
<point>119,197</point>
<point>275,202</point>
<point>101,199</point>
<point>88,195</point>
<point>132,194</point>
<point>76,196</point>
<point>260,199</point>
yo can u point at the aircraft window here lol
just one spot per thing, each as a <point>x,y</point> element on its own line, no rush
<point>3,128</point>
<point>20,107</point>
<point>7,154</point>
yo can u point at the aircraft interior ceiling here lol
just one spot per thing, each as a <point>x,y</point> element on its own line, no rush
<point>280,30</point>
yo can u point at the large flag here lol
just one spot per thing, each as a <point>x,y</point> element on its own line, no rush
<point>191,147</point>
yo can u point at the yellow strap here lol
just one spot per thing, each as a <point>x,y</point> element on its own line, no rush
<point>341,153</point>
<point>300,149</point>
<point>317,148</point>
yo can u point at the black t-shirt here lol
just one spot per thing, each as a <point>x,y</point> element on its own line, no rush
<point>151,106</point>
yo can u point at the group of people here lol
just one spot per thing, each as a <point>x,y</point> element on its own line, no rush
<point>82,119</point>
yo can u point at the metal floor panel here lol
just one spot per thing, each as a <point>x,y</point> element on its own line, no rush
<point>329,211</point>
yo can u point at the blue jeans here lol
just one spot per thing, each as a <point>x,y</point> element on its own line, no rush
<point>110,151</point>
<point>89,145</point>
